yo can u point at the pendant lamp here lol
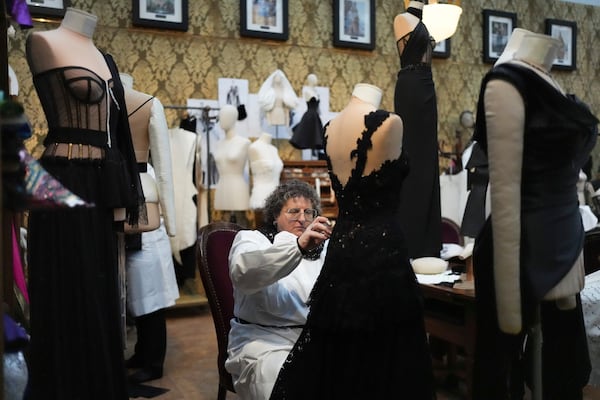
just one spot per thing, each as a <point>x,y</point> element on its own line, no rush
<point>441,19</point>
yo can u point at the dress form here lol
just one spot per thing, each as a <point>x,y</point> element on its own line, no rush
<point>150,135</point>
<point>265,166</point>
<point>347,127</point>
<point>46,49</point>
<point>309,91</point>
<point>231,155</point>
<point>405,22</point>
<point>535,52</point>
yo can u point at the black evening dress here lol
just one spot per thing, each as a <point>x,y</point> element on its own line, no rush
<point>415,102</point>
<point>76,341</point>
<point>559,134</point>
<point>365,336</point>
<point>308,133</point>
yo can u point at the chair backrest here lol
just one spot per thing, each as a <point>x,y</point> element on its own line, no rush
<point>214,243</point>
<point>451,232</point>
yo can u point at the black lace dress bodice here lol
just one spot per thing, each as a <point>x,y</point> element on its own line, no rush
<point>416,47</point>
<point>364,337</point>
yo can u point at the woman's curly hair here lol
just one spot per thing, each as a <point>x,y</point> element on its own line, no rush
<point>285,191</point>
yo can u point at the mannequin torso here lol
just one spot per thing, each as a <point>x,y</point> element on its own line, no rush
<point>266,167</point>
<point>347,127</point>
<point>309,91</point>
<point>47,50</point>
<point>231,155</point>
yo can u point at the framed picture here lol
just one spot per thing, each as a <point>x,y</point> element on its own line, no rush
<point>48,8</point>
<point>354,24</point>
<point>566,32</point>
<point>442,49</point>
<point>497,27</point>
<point>266,19</point>
<point>162,14</point>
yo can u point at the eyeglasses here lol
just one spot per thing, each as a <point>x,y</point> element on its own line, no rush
<point>294,214</point>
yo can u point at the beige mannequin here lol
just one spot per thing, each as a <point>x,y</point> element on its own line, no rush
<point>405,22</point>
<point>150,134</point>
<point>231,155</point>
<point>48,49</point>
<point>309,91</point>
<point>347,127</point>
<point>265,166</point>
<point>505,120</point>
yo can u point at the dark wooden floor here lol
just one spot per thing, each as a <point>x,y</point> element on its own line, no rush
<point>190,371</point>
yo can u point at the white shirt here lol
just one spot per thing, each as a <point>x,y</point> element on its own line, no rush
<point>271,283</point>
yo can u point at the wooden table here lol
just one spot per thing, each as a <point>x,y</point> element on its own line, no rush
<point>450,316</point>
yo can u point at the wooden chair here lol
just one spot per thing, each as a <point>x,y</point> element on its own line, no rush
<point>214,242</point>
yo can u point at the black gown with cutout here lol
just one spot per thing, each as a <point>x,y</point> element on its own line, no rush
<point>365,336</point>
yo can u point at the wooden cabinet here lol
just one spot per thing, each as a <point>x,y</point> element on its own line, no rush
<point>315,173</point>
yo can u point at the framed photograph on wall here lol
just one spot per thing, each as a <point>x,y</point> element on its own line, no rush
<point>48,8</point>
<point>566,32</point>
<point>354,24</point>
<point>266,19</point>
<point>442,49</point>
<point>497,27</point>
<point>162,14</point>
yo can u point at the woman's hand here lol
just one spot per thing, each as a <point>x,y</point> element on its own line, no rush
<point>315,233</point>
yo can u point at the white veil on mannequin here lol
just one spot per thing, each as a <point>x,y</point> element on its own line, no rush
<point>267,97</point>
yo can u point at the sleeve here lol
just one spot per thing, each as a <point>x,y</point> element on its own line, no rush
<point>255,262</point>
<point>160,150</point>
<point>505,120</point>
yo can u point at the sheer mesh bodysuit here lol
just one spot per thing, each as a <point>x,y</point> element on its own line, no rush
<point>76,342</point>
<point>364,335</point>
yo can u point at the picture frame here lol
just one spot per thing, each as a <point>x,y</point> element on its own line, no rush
<point>442,49</point>
<point>264,19</point>
<point>354,24</point>
<point>566,32</point>
<point>161,14</point>
<point>497,28</point>
<point>48,8</point>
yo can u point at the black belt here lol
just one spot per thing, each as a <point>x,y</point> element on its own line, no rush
<point>243,321</point>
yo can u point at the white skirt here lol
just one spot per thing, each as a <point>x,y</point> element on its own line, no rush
<point>151,282</point>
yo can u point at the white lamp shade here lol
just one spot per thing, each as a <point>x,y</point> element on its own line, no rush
<point>441,20</point>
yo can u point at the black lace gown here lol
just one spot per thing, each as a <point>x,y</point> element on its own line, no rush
<point>415,102</point>
<point>365,336</point>
<point>76,348</point>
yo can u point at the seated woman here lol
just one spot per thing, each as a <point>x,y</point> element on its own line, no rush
<point>273,271</point>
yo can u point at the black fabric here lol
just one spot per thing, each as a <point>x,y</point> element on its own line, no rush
<point>415,102</point>
<point>558,137</point>
<point>151,344</point>
<point>308,133</point>
<point>76,343</point>
<point>365,336</point>
<point>477,183</point>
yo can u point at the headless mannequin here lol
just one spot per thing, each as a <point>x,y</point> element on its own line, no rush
<point>346,128</point>
<point>76,29</point>
<point>405,22</point>
<point>231,154</point>
<point>150,134</point>
<point>266,167</point>
<point>505,119</point>
<point>309,91</point>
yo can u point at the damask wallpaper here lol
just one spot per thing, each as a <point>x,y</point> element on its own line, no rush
<point>175,66</point>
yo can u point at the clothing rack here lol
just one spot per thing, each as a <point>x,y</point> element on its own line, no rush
<point>206,118</point>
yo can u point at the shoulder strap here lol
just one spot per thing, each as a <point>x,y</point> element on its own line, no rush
<point>373,121</point>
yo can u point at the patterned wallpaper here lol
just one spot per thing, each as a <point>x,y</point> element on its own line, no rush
<point>175,66</point>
